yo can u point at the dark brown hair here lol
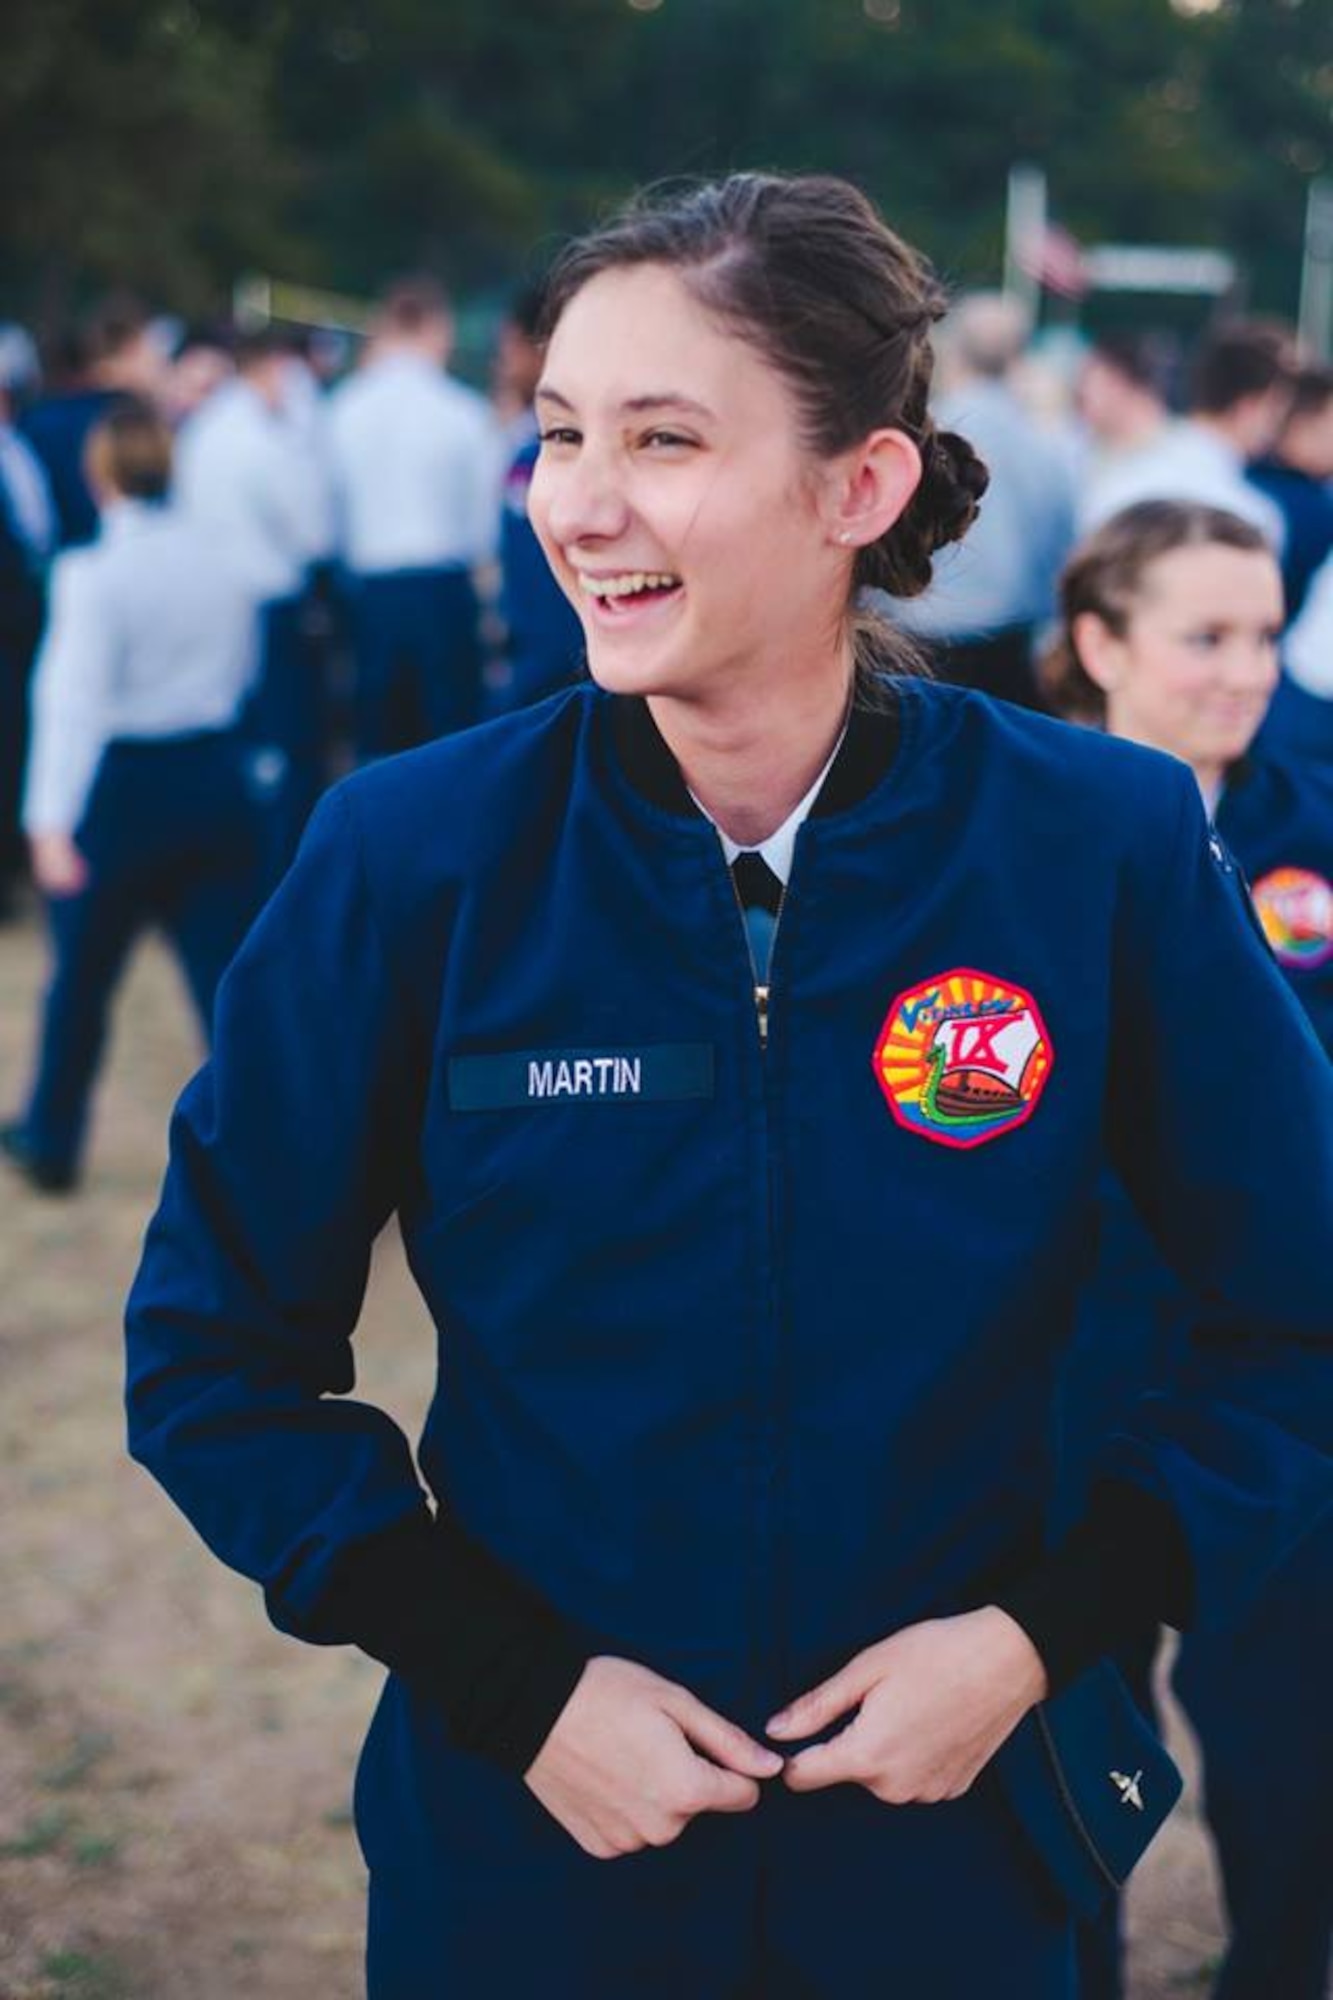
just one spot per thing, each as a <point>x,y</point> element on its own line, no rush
<point>1105,576</point>
<point>1311,391</point>
<point>129,450</point>
<point>806,271</point>
<point>412,304</point>
<point>1239,359</point>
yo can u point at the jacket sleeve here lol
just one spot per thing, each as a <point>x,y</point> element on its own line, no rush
<point>71,698</point>
<point>289,1151</point>
<point>1220,1122</point>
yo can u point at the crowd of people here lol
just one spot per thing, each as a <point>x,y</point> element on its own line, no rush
<point>223,581</point>
<point>207,558</point>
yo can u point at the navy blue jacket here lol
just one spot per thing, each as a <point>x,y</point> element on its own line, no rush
<point>1307,513</point>
<point>57,428</point>
<point>1276,816</point>
<point>746,1354</point>
<point>546,647</point>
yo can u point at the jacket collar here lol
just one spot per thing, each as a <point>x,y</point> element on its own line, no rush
<point>865,757</point>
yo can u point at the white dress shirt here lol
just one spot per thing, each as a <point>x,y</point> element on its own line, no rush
<point>149,635</point>
<point>1003,573</point>
<point>1185,461</point>
<point>1307,648</point>
<point>418,463</point>
<point>249,476</point>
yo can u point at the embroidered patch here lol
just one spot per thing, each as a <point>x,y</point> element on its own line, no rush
<point>1296,910</point>
<point>963,1057</point>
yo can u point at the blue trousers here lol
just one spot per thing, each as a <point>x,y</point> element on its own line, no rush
<point>285,719</point>
<point>418,657</point>
<point>1261,1702</point>
<point>173,837</point>
<point>1260,1698</point>
<point>20,628</point>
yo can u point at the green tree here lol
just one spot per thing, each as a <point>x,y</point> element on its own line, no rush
<point>138,146</point>
<point>176,142</point>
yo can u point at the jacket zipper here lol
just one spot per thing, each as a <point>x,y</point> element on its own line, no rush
<point>769,1663</point>
<point>761,987</point>
<point>1108,1874</point>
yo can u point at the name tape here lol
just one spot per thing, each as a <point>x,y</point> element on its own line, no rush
<point>596,1076</point>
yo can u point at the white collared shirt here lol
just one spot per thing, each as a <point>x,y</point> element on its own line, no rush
<point>778,849</point>
<point>148,635</point>
<point>418,465</point>
<point>1185,461</point>
<point>1307,648</point>
<point>249,476</point>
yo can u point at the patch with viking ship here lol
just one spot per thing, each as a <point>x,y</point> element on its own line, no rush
<point>963,1057</point>
<point>1295,907</point>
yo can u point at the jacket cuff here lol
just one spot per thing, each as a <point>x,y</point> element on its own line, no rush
<point>440,1610</point>
<point>1125,1566</point>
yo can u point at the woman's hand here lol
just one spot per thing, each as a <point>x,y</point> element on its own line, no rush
<point>934,1703</point>
<point>620,1769</point>
<point>58,868</point>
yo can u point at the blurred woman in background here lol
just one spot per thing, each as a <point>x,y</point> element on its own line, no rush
<point>1170,620</point>
<point>138,803</point>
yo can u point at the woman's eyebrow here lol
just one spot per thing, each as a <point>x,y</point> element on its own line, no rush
<point>664,399</point>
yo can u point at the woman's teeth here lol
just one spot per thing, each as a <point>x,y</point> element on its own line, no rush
<point>627,586</point>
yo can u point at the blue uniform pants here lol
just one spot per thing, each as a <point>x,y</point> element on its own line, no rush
<point>418,658</point>
<point>172,837</point>
<point>20,628</point>
<point>286,714</point>
<point>1259,1700</point>
<point>1258,1697</point>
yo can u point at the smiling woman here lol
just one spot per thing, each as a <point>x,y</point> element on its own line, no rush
<point>740,1039</point>
<point>736,430</point>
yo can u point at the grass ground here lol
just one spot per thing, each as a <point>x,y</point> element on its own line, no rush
<point>174,1776</point>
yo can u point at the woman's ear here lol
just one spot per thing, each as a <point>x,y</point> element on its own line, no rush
<point>1099,650</point>
<point>871,486</point>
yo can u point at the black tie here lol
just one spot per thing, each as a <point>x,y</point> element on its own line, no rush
<point>760,895</point>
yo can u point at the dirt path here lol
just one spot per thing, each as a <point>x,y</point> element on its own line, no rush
<point>174,1776</point>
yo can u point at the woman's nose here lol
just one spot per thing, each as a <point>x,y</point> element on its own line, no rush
<point>580,497</point>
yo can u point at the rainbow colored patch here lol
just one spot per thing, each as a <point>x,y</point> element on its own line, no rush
<point>1295,907</point>
<point>963,1057</point>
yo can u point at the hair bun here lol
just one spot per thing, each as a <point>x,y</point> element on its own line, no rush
<point>943,508</point>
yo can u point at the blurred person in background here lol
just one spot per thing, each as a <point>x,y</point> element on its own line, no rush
<point>543,638</point>
<point>249,474</point>
<point>138,804</point>
<point>990,595</point>
<point>417,462</point>
<point>201,363</point>
<point>27,543</point>
<point>1300,722</point>
<point>1297,474</point>
<point>1240,389</point>
<point>1169,633</point>
<point>1120,396</point>
<point>118,355</point>
<point>517,368</point>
